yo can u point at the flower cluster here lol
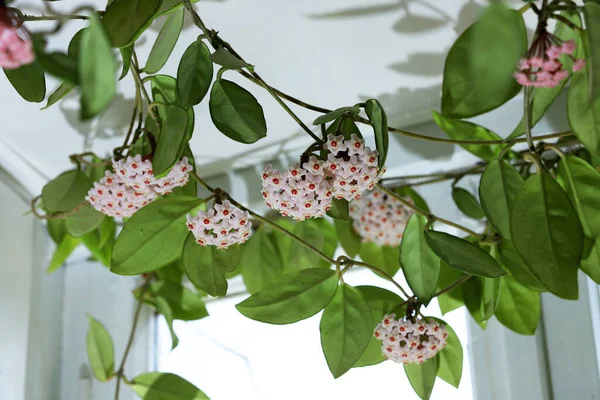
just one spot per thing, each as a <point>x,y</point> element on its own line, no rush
<point>222,226</point>
<point>306,190</point>
<point>379,218</point>
<point>408,342</point>
<point>14,51</point>
<point>121,193</point>
<point>352,166</point>
<point>547,71</point>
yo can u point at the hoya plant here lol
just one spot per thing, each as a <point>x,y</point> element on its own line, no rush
<point>138,209</point>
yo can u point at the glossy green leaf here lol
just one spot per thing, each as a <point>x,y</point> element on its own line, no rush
<point>85,220</point>
<point>581,182</point>
<point>62,252</point>
<point>452,299</point>
<point>590,263</point>
<point>547,234</point>
<point>100,242</point>
<point>224,58</point>
<point>164,90</point>
<point>206,266</point>
<point>97,68</point>
<point>126,20</point>
<point>543,98</point>
<point>61,91</point>
<point>56,229</point>
<point>29,81</point>
<point>236,113</point>
<point>335,114</point>
<point>169,6</point>
<point>490,294</point>
<point>291,298</point>
<point>517,267</point>
<point>500,183</point>
<point>479,67</point>
<point>154,236</point>
<point>185,304</point>
<point>591,14</point>
<point>101,354</point>
<point>165,386</point>
<point>172,140</point>
<point>381,302</point>
<point>422,377</point>
<point>345,329</point>
<point>384,257</point>
<point>194,74</point>
<point>344,126</point>
<point>66,191</point>
<point>339,210</point>
<point>260,263</point>
<point>450,358</point>
<point>378,120</point>
<point>349,239</point>
<point>165,42</point>
<point>519,307</point>
<point>127,56</point>
<point>163,308</point>
<point>463,130</point>
<point>472,294</point>
<point>419,262</point>
<point>467,203</point>
<point>55,63</point>
<point>462,255</point>
<point>320,234</point>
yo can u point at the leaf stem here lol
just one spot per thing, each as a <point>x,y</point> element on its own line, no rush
<point>58,215</point>
<point>527,118</point>
<point>458,282</point>
<point>380,272</point>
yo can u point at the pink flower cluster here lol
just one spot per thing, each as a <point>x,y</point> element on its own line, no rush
<point>14,51</point>
<point>133,186</point>
<point>222,226</point>
<point>408,342</point>
<point>379,218</point>
<point>306,191</point>
<point>547,71</point>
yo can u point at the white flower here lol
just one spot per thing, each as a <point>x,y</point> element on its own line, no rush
<point>223,225</point>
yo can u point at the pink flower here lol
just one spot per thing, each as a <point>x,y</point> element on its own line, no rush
<point>578,65</point>
<point>536,62</point>
<point>551,66</point>
<point>522,79</point>
<point>14,51</point>
<point>554,51</point>
<point>568,47</point>
<point>523,64</point>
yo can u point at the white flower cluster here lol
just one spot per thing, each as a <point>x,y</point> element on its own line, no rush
<point>222,226</point>
<point>133,186</point>
<point>379,218</point>
<point>306,191</point>
<point>410,342</point>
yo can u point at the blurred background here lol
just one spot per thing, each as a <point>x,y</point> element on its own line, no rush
<point>330,53</point>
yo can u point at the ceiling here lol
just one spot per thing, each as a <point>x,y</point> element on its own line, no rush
<point>330,53</point>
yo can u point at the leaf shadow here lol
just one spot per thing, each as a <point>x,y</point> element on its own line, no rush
<point>412,23</point>
<point>423,64</point>
<point>358,11</point>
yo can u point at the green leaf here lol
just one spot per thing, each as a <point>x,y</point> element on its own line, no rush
<point>385,257</point>
<point>260,262</point>
<point>499,185</point>
<point>591,14</point>
<point>126,55</point>
<point>583,112</point>
<point>490,291</point>
<point>381,302</point>
<point>165,42</point>
<point>450,358</point>
<point>590,263</point>
<point>126,20</point>
<point>101,241</point>
<point>547,234</point>
<point>224,58</point>
<point>194,74</point>
<point>66,191</point>
<point>378,119</point>
<point>57,64</point>
<point>518,308</point>
<point>420,264</point>
<point>56,229</point>
<point>335,114</point>
<point>581,182</point>
<point>422,377</point>
<point>344,126</point>
<point>61,91</point>
<point>291,298</point>
<point>185,304</point>
<point>462,255</point>
<point>206,266</point>
<point>164,90</point>
<point>83,221</point>
<point>97,68</point>
<point>100,350</point>
<point>165,386</point>
<point>236,113</point>
<point>467,203</point>
<point>29,81</point>
<point>62,252</point>
<point>472,293</point>
<point>345,329</point>
<point>517,267</point>
<point>452,299</point>
<point>172,5</point>
<point>318,233</point>
<point>543,98</point>
<point>463,130</point>
<point>153,237</point>
<point>339,209</point>
<point>163,307</point>
<point>172,140</point>
<point>347,236</point>
<point>479,67</point>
